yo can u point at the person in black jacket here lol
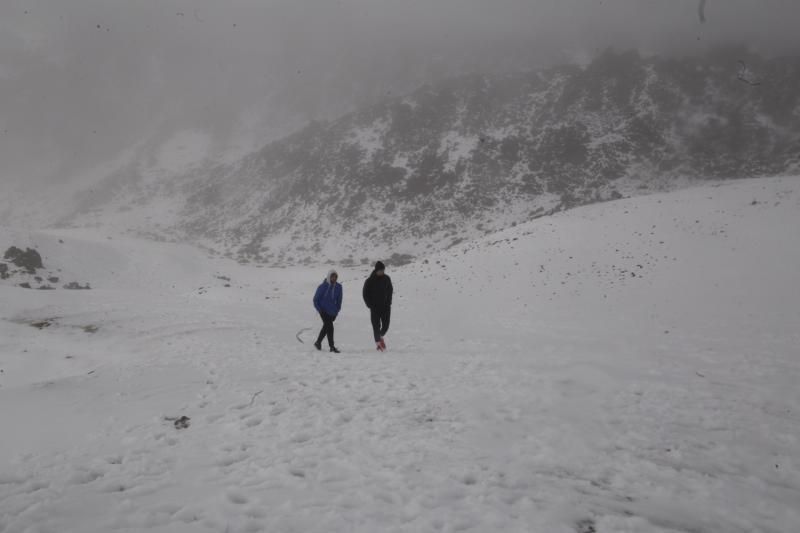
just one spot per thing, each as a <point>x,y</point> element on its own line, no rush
<point>378,297</point>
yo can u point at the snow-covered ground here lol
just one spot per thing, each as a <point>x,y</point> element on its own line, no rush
<point>626,367</point>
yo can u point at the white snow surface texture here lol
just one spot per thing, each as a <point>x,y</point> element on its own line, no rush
<point>630,366</point>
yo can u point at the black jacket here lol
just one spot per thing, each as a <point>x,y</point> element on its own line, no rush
<point>378,291</point>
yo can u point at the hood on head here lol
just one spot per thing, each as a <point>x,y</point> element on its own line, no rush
<point>331,272</point>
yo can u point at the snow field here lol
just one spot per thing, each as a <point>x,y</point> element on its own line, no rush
<point>625,367</point>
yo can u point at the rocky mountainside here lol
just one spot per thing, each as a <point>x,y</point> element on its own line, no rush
<point>477,154</point>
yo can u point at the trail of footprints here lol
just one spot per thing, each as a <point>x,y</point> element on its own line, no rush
<point>246,444</point>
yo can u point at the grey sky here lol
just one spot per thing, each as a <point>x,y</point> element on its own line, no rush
<point>81,80</point>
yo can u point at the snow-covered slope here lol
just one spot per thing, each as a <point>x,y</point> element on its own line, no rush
<point>470,156</point>
<point>625,367</point>
<point>110,262</point>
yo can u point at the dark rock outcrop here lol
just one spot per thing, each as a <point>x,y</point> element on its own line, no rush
<point>28,259</point>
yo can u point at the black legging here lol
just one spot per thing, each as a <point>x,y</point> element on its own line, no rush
<point>380,321</point>
<point>327,329</point>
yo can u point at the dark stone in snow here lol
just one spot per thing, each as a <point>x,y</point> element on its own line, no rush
<point>29,259</point>
<point>75,286</point>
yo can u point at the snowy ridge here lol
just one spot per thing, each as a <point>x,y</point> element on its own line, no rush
<point>469,157</point>
<point>578,373</point>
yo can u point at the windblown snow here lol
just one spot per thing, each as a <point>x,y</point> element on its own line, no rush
<point>630,366</point>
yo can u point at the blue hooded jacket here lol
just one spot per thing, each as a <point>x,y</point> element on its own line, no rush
<point>328,298</point>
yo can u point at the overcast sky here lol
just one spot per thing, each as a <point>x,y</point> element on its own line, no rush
<point>81,80</point>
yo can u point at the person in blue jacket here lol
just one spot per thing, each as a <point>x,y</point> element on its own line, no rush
<point>328,303</point>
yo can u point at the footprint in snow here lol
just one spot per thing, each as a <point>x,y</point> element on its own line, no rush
<point>84,477</point>
<point>114,486</point>
<point>232,458</point>
<point>469,479</point>
<point>188,515</point>
<point>256,513</point>
<point>253,422</point>
<point>586,526</point>
<point>343,418</point>
<point>35,486</point>
<point>236,497</point>
<point>301,437</point>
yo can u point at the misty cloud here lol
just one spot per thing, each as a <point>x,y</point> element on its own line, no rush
<point>83,80</point>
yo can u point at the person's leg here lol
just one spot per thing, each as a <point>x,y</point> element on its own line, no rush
<point>326,331</point>
<point>375,318</point>
<point>385,317</point>
<point>323,332</point>
<point>330,331</point>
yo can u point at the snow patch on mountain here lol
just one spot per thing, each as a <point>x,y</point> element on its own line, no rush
<point>370,139</point>
<point>456,149</point>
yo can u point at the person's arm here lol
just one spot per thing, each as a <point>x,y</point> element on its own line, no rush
<point>364,292</point>
<point>391,291</point>
<point>317,298</point>
<point>341,299</point>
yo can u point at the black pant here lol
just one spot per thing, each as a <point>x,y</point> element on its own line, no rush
<point>327,329</point>
<point>380,321</point>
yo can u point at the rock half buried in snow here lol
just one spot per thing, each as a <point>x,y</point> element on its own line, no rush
<point>179,423</point>
<point>75,286</point>
<point>29,259</point>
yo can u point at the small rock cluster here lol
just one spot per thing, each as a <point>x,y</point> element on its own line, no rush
<point>24,266</point>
